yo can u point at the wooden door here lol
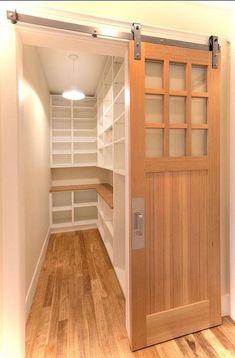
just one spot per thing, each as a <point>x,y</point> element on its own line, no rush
<point>174,167</point>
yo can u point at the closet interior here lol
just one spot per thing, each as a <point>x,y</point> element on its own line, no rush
<point>88,158</point>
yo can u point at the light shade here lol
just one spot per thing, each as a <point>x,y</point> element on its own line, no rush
<point>73,95</point>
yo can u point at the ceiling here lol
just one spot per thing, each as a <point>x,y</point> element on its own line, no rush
<point>58,69</point>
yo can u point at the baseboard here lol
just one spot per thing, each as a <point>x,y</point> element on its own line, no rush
<point>73,228</point>
<point>34,281</point>
<point>225,305</point>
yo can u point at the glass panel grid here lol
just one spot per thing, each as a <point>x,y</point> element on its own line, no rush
<point>177,142</point>
<point>199,142</point>
<point>153,142</point>
<point>199,110</point>
<point>177,76</point>
<point>177,109</point>
<point>153,108</point>
<point>154,74</point>
<point>199,78</point>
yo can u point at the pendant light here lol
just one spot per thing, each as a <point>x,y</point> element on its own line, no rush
<point>73,94</point>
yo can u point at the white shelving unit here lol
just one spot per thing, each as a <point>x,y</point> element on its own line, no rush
<point>111,113</point>
<point>105,225</point>
<point>73,208</point>
<point>93,132</point>
<point>73,132</point>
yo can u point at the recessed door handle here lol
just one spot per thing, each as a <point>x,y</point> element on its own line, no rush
<point>138,226</point>
<point>139,223</point>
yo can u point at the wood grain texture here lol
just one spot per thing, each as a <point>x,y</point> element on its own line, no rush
<point>104,190</point>
<point>181,197</point>
<point>137,258</point>
<point>78,309</point>
<point>176,239</point>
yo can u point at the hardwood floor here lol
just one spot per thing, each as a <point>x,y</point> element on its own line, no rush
<point>78,309</point>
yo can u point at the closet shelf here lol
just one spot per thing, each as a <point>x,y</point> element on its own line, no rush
<point>85,205</point>
<point>120,171</point>
<point>54,106</point>
<point>85,151</point>
<point>107,145</point>
<point>84,119</point>
<point>104,190</point>
<point>119,140</point>
<point>119,117</point>
<point>61,208</point>
<point>119,95</point>
<point>84,139</point>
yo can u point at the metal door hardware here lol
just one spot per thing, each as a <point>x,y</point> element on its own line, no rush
<point>134,34</point>
<point>138,240</point>
<point>136,30</point>
<point>215,49</point>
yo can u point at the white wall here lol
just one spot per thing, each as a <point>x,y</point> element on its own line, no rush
<point>36,162</point>
<point>12,310</point>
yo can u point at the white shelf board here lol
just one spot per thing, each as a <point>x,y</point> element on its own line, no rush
<point>84,119</point>
<point>61,130</point>
<point>121,68</point>
<point>119,117</point>
<point>84,107</point>
<point>85,222</point>
<point>58,140</point>
<point>120,171</point>
<point>119,94</point>
<point>61,208</point>
<point>62,224</point>
<point>84,139</point>
<point>108,145</point>
<point>85,130</point>
<point>61,118</point>
<point>85,151</point>
<point>81,165</point>
<point>61,165</point>
<point>108,127</point>
<point>85,205</point>
<point>57,151</point>
<point>119,140</point>
<point>56,106</point>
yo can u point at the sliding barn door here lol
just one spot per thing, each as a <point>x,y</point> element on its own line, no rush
<point>174,187</point>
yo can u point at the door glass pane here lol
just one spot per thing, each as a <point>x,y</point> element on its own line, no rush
<point>199,78</point>
<point>153,142</point>
<point>153,108</point>
<point>153,74</point>
<point>177,76</point>
<point>177,109</point>
<point>199,142</point>
<point>177,142</point>
<point>199,110</point>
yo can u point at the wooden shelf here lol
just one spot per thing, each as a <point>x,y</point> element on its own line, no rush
<point>104,190</point>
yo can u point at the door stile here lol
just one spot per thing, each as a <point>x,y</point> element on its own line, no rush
<point>214,197</point>
<point>137,190</point>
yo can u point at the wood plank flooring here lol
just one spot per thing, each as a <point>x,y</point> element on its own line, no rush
<point>78,309</point>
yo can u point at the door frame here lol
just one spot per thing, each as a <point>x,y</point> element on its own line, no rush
<point>20,35</point>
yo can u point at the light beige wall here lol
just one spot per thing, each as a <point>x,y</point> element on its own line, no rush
<point>35,158</point>
<point>70,176</point>
<point>180,15</point>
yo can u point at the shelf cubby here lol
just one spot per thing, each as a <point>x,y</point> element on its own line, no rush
<point>62,218</point>
<point>74,132</point>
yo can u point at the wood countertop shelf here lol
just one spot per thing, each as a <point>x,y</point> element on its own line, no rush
<point>104,190</point>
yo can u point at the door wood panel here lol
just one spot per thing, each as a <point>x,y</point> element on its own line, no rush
<point>176,239</point>
<point>175,278</point>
